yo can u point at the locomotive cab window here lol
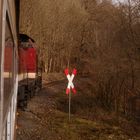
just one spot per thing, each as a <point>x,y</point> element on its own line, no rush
<point>8,64</point>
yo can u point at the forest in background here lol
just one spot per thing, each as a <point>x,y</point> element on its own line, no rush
<point>100,39</point>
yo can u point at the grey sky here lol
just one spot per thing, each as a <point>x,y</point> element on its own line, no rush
<point>119,0</point>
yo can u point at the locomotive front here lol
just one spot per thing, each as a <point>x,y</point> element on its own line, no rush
<point>29,78</point>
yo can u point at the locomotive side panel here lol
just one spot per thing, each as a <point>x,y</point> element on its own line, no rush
<point>22,64</point>
<point>30,60</point>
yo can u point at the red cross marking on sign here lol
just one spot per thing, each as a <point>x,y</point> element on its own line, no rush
<point>70,79</point>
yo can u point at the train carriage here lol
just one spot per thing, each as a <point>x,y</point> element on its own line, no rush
<point>20,75</point>
<point>9,69</point>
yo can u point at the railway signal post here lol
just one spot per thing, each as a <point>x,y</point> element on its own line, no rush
<point>70,86</point>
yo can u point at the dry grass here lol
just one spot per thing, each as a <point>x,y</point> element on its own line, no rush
<point>47,118</point>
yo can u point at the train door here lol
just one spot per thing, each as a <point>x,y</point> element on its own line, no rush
<point>8,70</point>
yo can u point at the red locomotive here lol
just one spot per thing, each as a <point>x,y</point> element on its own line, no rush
<point>30,77</point>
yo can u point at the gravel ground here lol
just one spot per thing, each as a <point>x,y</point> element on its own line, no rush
<point>43,120</point>
<point>33,123</point>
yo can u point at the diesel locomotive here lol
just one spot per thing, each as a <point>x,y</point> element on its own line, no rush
<point>29,72</point>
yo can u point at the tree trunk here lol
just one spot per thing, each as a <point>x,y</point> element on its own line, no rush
<point>50,65</point>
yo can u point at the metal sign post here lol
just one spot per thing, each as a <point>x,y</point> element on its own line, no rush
<point>69,105</point>
<point>70,86</point>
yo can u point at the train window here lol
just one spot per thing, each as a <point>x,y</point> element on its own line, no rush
<point>26,45</point>
<point>8,65</point>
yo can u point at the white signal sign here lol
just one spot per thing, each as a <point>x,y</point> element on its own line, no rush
<point>70,80</point>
